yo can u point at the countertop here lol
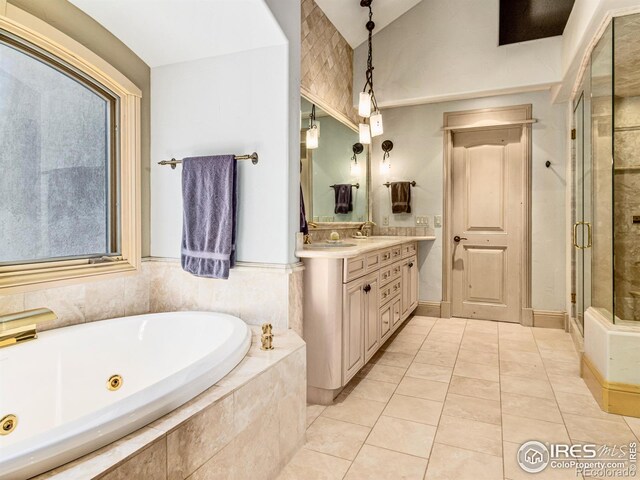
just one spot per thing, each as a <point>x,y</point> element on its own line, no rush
<point>360,246</point>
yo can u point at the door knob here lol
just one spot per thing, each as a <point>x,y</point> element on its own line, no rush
<point>457,238</point>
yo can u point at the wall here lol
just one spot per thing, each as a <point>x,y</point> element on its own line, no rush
<point>326,61</point>
<point>418,155</point>
<point>73,22</point>
<point>445,49</point>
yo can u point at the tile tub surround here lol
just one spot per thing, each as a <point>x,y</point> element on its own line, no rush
<point>249,425</point>
<point>257,294</point>
<point>456,401</point>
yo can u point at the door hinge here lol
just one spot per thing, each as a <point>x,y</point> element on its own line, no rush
<point>573,134</point>
<point>573,298</point>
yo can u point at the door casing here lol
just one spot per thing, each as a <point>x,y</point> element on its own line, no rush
<point>481,120</point>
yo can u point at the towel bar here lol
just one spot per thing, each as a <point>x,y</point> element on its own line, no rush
<point>357,185</point>
<point>173,162</point>
<point>413,184</point>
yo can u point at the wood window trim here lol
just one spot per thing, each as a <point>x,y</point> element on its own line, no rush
<point>39,275</point>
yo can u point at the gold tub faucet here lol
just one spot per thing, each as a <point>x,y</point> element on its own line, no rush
<point>267,337</point>
<point>22,326</point>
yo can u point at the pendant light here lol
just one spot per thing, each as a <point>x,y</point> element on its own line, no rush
<point>368,105</point>
<point>313,134</point>
<point>355,168</point>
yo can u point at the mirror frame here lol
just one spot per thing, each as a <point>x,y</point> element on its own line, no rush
<point>342,118</point>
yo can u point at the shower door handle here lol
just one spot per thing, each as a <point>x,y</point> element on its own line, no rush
<point>589,235</point>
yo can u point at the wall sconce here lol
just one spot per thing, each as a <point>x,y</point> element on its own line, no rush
<point>358,148</point>
<point>313,134</point>
<point>385,166</point>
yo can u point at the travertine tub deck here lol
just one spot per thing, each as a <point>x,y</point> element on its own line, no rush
<point>256,412</point>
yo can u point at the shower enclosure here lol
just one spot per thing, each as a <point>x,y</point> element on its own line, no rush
<point>606,229</point>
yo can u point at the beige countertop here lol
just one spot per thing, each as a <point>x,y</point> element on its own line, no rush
<point>359,246</point>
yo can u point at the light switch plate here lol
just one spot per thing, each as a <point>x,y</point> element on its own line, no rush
<point>437,221</point>
<point>427,221</point>
<point>385,221</point>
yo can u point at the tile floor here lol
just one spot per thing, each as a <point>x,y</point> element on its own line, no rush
<point>454,399</point>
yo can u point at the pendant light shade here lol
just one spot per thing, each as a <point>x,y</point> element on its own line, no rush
<point>355,169</point>
<point>365,134</point>
<point>364,107</point>
<point>312,138</point>
<point>376,124</point>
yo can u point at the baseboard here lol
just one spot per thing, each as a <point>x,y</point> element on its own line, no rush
<point>618,398</point>
<point>428,309</point>
<point>549,319</point>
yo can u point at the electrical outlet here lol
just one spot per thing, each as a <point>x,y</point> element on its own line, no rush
<point>437,221</point>
<point>385,221</point>
<point>427,221</point>
<point>418,220</point>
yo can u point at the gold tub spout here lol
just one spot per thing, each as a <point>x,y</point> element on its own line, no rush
<point>267,337</point>
<point>21,326</point>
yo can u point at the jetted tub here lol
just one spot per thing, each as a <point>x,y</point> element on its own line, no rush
<point>58,385</point>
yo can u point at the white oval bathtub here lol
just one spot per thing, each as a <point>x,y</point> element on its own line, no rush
<point>57,384</point>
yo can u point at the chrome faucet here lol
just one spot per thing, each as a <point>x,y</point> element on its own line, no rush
<point>21,326</point>
<point>366,226</point>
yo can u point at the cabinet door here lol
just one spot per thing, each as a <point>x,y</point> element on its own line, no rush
<point>406,288</point>
<point>413,277</point>
<point>386,320</point>
<point>372,311</point>
<point>353,327</point>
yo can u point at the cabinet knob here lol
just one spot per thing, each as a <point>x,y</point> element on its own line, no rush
<point>410,264</point>
<point>367,288</point>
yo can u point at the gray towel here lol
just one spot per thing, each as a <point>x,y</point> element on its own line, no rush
<point>209,194</point>
<point>344,204</point>
<point>401,197</point>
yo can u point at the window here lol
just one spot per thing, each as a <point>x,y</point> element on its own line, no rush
<point>68,164</point>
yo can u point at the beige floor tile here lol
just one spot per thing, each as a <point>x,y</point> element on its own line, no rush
<point>401,347</point>
<point>480,343</point>
<point>596,430</point>
<point>556,344</point>
<point>469,434</point>
<point>414,409</point>
<point>563,383</point>
<point>583,405</point>
<point>446,337</point>
<point>560,355</point>
<point>521,429</point>
<point>524,370</point>
<point>528,358</point>
<point>526,386</point>
<point>453,463</point>
<point>460,322</point>
<point>473,408</point>
<point>392,359</point>
<point>475,387</point>
<point>436,346</point>
<point>374,463</point>
<point>477,370</point>
<point>531,407</point>
<point>437,373</point>
<point>481,326</point>
<point>513,471</point>
<point>402,436</point>
<point>474,356</point>
<point>373,390</point>
<point>569,369</point>
<point>519,345</point>
<point>634,425</point>
<point>310,465</point>
<point>418,387</point>
<point>408,337</point>
<point>382,373</point>
<point>434,357</point>
<point>416,329</point>
<point>422,321</point>
<point>337,438</point>
<point>313,412</point>
<point>355,410</point>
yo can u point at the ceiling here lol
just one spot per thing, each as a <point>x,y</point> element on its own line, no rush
<point>523,20</point>
<point>163,32</point>
<point>350,18</point>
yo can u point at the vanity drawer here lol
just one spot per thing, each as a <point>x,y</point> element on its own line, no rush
<point>409,249</point>
<point>354,268</point>
<point>391,290</point>
<point>396,253</point>
<point>373,261</point>
<point>385,256</point>
<point>390,273</point>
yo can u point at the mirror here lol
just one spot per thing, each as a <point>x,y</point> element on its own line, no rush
<point>331,164</point>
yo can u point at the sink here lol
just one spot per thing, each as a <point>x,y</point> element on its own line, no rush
<point>327,246</point>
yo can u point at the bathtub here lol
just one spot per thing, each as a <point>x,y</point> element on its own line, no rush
<point>57,385</point>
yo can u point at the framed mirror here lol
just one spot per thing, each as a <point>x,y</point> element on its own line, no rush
<point>334,167</point>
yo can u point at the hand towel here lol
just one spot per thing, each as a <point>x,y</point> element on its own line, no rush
<point>344,203</point>
<point>401,197</point>
<point>209,193</point>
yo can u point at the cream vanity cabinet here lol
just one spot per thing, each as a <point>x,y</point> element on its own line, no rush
<point>351,307</point>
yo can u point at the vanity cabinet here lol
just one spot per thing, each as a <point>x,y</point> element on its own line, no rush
<point>351,307</point>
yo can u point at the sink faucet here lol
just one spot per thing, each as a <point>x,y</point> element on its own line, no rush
<point>21,326</point>
<point>366,226</point>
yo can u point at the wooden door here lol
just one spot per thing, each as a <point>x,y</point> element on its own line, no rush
<point>353,327</point>
<point>372,335</point>
<point>487,223</point>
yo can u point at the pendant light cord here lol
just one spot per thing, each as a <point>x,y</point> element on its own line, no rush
<point>369,74</point>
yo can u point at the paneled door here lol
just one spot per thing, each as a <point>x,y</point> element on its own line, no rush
<point>486,223</point>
